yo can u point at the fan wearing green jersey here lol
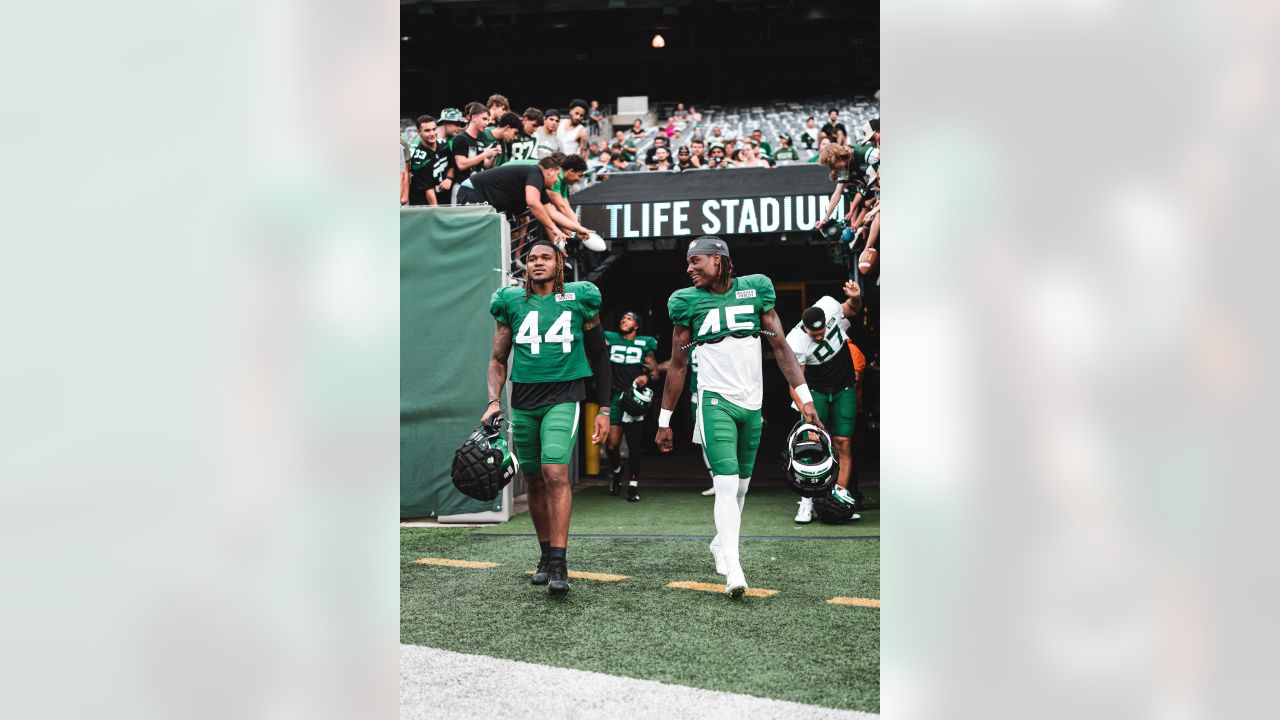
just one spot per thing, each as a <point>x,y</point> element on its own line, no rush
<point>724,316</point>
<point>631,355</point>
<point>550,331</point>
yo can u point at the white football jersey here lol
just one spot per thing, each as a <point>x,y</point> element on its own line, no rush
<point>809,352</point>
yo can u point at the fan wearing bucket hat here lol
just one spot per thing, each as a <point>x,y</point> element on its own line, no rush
<point>634,366</point>
<point>818,342</point>
<point>450,124</point>
<point>724,316</point>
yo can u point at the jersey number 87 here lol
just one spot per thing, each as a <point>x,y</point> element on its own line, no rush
<point>558,332</point>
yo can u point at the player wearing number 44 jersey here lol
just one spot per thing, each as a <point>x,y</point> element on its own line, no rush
<point>558,342</point>
<point>724,317</point>
<point>819,345</point>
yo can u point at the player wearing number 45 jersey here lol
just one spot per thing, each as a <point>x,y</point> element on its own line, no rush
<point>558,342</point>
<point>724,317</point>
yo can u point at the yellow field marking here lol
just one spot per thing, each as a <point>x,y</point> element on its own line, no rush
<point>456,563</point>
<point>712,587</point>
<point>860,602</point>
<point>583,575</point>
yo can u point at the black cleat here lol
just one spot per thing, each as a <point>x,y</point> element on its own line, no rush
<point>558,574</point>
<point>633,493</point>
<point>616,483</point>
<point>540,575</point>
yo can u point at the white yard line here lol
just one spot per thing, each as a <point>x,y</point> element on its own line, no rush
<point>444,684</point>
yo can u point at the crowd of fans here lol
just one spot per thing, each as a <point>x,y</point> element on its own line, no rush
<point>855,169</point>
<point>526,164</point>
<point>442,152</point>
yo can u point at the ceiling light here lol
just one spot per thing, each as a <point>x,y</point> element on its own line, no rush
<point>658,41</point>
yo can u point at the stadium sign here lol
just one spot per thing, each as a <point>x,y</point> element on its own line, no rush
<point>712,216</point>
<point>653,205</point>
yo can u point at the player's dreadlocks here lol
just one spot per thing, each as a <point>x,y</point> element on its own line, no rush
<point>726,270</point>
<point>559,276</point>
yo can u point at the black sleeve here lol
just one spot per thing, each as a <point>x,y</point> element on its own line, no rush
<point>598,354</point>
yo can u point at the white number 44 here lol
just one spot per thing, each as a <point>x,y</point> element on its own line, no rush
<point>558,332</point>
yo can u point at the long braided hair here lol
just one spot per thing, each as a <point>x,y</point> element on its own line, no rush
<point>726,270</point>
<point>559,276</point>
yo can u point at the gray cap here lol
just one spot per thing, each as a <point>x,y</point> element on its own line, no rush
<point>708,245</point>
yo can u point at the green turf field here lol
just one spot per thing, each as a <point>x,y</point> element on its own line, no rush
<point>684,511</point>
<point>791,646</point>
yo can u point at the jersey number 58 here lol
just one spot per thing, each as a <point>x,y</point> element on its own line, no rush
<point>558,332</point>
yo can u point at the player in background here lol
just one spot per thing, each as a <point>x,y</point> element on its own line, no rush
<point>724,316</point>
<point>631,356</point>
<point>818,342</point>
<point>555,332</point>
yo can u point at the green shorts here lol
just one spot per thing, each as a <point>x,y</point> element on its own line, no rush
<point>837,410</point>
<point>730,435</point>
<point>544,436</point>
<point>615,407</point>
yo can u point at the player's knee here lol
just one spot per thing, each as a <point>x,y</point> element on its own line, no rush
<point>724,467</point>
<point>844,445</point>
<point>555,476</point>
<point>533,477</point>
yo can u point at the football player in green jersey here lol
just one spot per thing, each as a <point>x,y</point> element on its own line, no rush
<point>631,355</point>
<point>724,316</point>
<point>555,332</point>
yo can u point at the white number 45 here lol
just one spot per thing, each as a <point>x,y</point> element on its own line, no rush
<point>558,332</point>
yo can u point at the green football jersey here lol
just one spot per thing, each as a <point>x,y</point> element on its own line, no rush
<point>737,312</point>
<point>504,156</point>
<point>522,148</point>
<point>626,357</point>
<point>629,352</point>
<point>726,328</point>
<point>547,331</point>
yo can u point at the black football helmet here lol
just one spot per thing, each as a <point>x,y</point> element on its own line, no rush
<point>484,464</point>
<point>835,507</point>
<point>636,400</point>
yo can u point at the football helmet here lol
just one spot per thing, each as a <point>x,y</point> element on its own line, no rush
<point>484,464</point>
<point>835,507</point>
<point>636,400</point>
<point>809,461</point>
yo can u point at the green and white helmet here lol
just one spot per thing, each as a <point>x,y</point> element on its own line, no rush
<point>636,400</point>
<point>484,464</point>
<point>809,462</point>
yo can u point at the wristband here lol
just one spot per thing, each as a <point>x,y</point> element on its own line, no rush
<point>604,411</point>
<point>802,392</point>
<point>664,418</point>
<point>495,400</point>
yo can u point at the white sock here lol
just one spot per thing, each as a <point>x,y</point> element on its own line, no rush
<point>728,516</point>
<point>742,492</point>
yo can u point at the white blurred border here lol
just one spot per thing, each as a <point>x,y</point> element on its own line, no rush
<point>201,371</point>
<point>1073,287</point>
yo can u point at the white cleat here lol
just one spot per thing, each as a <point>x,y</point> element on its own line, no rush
<point>805,513</point>
<point>736,584</point>
<point>709,491</point>
<point>719,556</point>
